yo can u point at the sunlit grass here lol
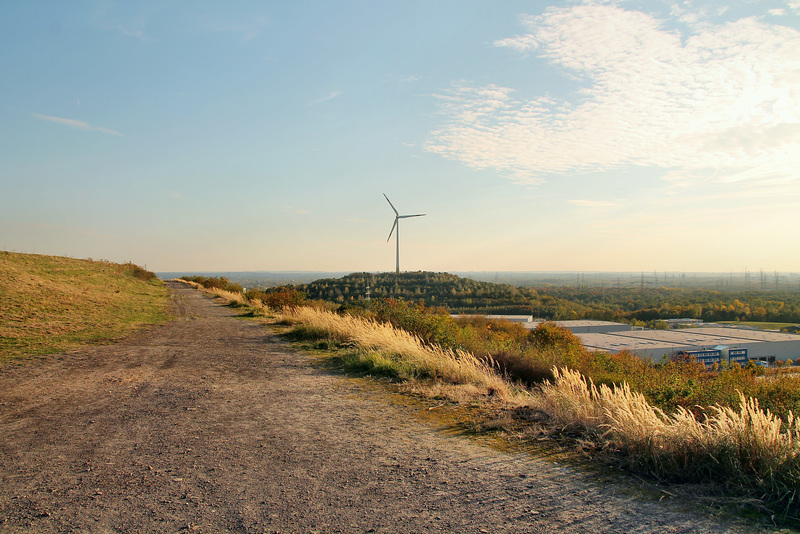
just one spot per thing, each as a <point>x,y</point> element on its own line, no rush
<point>744,448</point>
<point>50,304</point>
<point>389,350</point>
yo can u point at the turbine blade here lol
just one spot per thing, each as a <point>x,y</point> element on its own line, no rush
<point>390,203</point>
<point>407,216</point>
<point>393,226</point>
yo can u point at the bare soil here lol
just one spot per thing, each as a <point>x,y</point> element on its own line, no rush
<point>213,424</point>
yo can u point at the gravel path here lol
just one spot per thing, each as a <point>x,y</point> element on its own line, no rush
<point>212,424</point>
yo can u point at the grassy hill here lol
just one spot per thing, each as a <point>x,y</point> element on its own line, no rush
<point>49,304</point>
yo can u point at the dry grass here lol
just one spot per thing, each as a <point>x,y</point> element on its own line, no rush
<point>49,304</point>
<point>748,447</point>
<point>386,350</point>
<point>256,307</point>
<point>230,296</point>
<point>384,347</point>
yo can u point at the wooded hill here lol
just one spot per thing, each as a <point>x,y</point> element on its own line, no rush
<point>464,295</point>
<point>458,295</point>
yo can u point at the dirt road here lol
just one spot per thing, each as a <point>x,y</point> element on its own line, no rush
<point>211,424</point>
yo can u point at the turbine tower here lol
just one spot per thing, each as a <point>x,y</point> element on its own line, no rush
<point>396,224</point>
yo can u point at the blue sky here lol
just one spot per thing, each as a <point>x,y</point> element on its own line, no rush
<point>583,136</point>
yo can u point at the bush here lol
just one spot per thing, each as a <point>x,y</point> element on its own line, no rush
<point>284,298</point>
<point>517,368</point>
<point>215,283</point>
<point>141,274</point>
<point>549,334</point>
<point>431,325</point>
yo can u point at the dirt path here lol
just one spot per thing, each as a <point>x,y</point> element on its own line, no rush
<point>211,424</point>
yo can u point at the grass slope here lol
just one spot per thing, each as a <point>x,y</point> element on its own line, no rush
<point>49,304</point>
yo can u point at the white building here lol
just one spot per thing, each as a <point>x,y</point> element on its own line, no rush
<point>653,344</point>
<point>586,326</point>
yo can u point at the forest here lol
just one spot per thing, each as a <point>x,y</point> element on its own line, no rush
<point>624,304</point>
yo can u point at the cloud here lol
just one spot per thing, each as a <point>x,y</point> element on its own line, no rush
<point>407,78</point>
<point>295,211</point>
<point>724,99</point>
<point>117,18</point>
<point>246,31</point>
<point>585,203</point>
<point>136,33</point>
<point>331,96</point>
<point>73,123</point>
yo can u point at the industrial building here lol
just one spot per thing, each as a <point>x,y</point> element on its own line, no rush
<point>586,326</point>
<point>706,343</point>
<point>576,327</point>
<point>511,318</point>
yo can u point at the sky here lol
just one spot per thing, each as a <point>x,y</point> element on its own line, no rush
<point>534,136</point>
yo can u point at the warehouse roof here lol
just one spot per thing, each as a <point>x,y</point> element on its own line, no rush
<point>745,333</point>
<point>579,322</point>
<point>684,339</point>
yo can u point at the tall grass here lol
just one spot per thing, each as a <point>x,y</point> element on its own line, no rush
<point>386,347</point>
<point>748,448</point>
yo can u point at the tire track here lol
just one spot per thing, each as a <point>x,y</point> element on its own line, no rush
<point>211,424</point>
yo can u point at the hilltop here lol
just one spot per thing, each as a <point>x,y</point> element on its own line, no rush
<point>50,304</point>
<point>629,304</point>
<point>457,294</point>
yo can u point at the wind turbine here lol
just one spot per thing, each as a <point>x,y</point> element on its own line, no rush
<point>396,224</point>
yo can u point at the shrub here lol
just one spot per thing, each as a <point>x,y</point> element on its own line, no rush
<point>283,298</point>
<point>518,368</point>
<point>549,334</point>
<point>431,325</point>
<point>140,273</point>
<point>221,283</point>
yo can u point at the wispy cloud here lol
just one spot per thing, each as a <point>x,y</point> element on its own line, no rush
<point>586,203</point>
<point>245,30</point>
<point>117,19</point>
<point>331,96</point>
<point>295,211</point>
<point>76,124</point>
<point>137,33</point>
<point>724,99</point>
<point>404,78</point>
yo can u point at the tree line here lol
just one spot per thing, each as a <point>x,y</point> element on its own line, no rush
<point>465,295</point>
